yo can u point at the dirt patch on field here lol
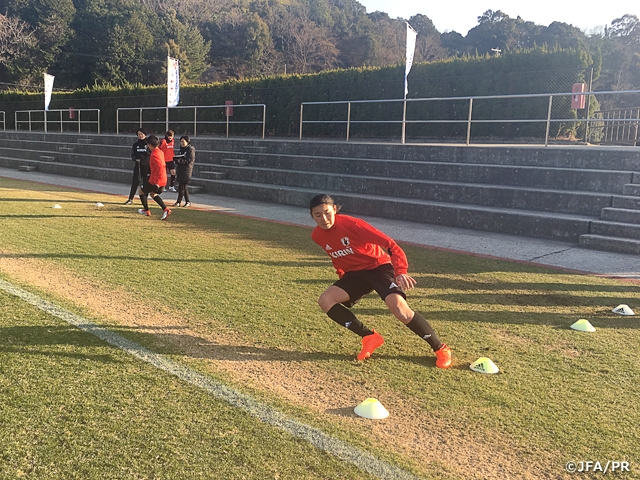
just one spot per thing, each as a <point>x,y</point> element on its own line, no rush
<point>409,431</point>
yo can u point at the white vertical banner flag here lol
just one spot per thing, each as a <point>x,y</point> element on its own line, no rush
<point>411,47</point>
<point>173,82</point>
<point>48,89</point>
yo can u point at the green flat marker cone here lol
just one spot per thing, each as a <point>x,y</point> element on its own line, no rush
<point>484,365</point>
<point>583,325</point>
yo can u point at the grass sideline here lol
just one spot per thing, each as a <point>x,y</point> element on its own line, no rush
<point>569,395</point>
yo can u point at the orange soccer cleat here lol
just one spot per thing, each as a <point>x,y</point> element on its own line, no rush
<point>369,344</point>
<point>443,357</point>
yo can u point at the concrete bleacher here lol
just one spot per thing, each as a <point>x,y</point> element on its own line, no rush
<point>581,194</point>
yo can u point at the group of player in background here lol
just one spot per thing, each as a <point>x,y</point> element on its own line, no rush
<point>152,158</point>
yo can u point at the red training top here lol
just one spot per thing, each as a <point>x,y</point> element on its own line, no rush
<point>354,245</point>
<point>167,149</point>
<point>158,168</point>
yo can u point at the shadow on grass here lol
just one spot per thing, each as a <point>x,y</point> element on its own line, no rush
<point>197,347</point>
<point>531,300</point>
<point>29,340</point>
<point>170,260</point>
<point>45,200</point>
<point>443,282</point>
<point>604,318</point>
<point>32,216</point>
<point>35,340</point>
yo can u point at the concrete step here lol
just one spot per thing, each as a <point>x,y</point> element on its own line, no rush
<point>529,223</point>
<point>580,203</point>
<point>35,151</point>
<point>590,157</point>
<point>615,229</point>
<point>255,149</point>
<point>66,149</point>
<point>71,170</point>
<point>590,180</point>
<point>85,141</point>
<point>631,189</point>
<point>235,162</point>
<point>213,174</point>
<point>47,158</point>
<point>625,201</point>
<point>610,244</point>
<point>622,215</point>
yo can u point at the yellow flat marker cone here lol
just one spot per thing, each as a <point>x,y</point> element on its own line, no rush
<point>623,309</point>
<point>56,206</point>
<point>484,365</point>
<point>371,408</point>
<point>583,325</point>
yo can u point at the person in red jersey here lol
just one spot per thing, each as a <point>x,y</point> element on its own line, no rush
<point>154,184</point>
<point>366,259</point>
<point>167,148</point>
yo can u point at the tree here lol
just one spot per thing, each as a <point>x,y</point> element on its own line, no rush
<point>185,42</point>
<point>50,21</point>
<point>16,38</point>
<point>117,42</point>
<point>306,47</point>
<point>563,35</point>
<point>241,44</point>
<point>626,28</point>
<point>429,46</point>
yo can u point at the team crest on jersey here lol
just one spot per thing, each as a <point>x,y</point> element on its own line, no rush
<point>345,241</point>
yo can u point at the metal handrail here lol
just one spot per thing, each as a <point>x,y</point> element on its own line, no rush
<point>196,122</point>
<point>618,129</point>
<point>470,120</point>
<point>46,120</point>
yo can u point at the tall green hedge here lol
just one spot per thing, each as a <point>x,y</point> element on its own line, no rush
<point>526,72</point>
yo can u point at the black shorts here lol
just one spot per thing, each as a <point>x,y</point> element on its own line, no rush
<point>171,165</point>
<point>148,188</point>
<point>362,282</point>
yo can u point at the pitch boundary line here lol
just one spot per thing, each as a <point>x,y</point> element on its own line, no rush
<point>338,448</point>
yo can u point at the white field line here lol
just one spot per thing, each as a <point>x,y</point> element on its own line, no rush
<point>361,459</point>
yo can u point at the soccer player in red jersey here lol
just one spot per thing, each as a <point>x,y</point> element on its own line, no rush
<point>154,184</point>
<point>166,145</point>
<point>366,259</point>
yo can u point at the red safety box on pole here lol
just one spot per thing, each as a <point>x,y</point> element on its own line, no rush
<point>578,101</point>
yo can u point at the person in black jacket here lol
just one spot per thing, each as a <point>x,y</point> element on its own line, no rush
<point>140,156</point>
<point>184,160</point>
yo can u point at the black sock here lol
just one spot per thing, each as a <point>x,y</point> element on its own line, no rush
<point>421,327</point>
<point>160,202</point>
<point>344,317</point>
<point>143,199</point>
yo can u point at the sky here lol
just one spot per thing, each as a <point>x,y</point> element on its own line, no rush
<point>462,15</point>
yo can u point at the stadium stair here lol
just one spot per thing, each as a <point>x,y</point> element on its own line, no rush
<point>581,194</point>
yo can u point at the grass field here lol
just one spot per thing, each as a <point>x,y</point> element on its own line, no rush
<point>235,299</point>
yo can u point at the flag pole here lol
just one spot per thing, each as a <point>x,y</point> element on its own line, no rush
<point>166,113</point>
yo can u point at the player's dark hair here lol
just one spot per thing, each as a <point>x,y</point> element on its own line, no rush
<point>141,130</point>
<point>169,133</point>
<point>153,141</point>
<point>185,138</point>
<point>322,199</point>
